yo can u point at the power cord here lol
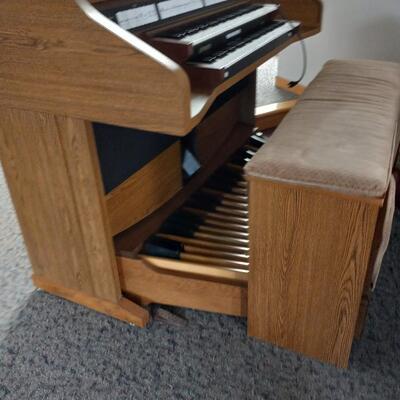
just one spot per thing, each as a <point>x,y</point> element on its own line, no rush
<point>293,84</point>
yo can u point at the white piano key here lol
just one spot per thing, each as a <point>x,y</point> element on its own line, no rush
<point>219,29</point>
<point>243,52</point>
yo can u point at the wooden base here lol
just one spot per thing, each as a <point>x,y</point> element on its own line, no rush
<point>149,285</point>
<point>124,310</point>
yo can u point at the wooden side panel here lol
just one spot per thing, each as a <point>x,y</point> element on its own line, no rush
<point>54,58</point>
<point>216,129</point>
<point>309,12</point>
<point>55,185</point>
<point>309,257</point>
<point>145,191</point>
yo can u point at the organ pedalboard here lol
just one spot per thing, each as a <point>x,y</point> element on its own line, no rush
<point>211,229</point>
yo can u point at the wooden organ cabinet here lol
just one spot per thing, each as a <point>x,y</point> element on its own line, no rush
<point>116,144</point>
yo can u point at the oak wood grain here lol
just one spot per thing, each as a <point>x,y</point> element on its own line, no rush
<point>54,182</point>
<point>232,274</point>
<point>309,257</point>
<point>146,190</point>
<point>125,310</point>
<point>79,68</point>
<point>141,282</point>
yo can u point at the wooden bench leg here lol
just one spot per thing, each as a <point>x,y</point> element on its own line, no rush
<point>309,257</point>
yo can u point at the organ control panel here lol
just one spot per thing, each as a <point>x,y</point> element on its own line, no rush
<point>212,40</point>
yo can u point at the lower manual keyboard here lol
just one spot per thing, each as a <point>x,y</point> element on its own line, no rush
<point>224,63</point>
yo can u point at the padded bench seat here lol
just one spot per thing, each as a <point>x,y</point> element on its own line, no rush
<point>321,204</point>
<point>342,135</point>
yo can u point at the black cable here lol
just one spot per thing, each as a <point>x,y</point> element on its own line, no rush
<point>293,84</point>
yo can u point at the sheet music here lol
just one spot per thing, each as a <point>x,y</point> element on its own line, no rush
<point>171,8</point>
<point>138,16</point>
<point>211,2</point>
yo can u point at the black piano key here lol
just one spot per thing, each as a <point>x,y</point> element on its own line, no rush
<point>159,247</point>
<point>178,230</point>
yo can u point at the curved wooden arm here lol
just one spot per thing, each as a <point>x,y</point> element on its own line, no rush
<point>55,59</point>
<point>308,12</point>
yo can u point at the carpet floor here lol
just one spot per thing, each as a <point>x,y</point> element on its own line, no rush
<point>58,350</point>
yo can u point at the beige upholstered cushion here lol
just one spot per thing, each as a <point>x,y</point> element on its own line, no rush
<point>343,133</point>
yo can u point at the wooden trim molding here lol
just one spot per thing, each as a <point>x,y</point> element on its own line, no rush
<point>149,285</point>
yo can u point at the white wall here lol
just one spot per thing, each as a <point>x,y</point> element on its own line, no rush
<point>350,29</point>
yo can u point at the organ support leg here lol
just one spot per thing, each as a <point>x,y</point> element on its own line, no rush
<point>53,175</point>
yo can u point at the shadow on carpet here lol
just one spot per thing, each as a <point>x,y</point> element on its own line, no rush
<point>58,350</point>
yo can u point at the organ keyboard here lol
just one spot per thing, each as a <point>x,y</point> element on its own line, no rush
<point>208,34</point>
<point>210,48</point>
<point>219,65</point>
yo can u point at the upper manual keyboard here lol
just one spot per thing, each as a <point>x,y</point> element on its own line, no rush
<point>219,65</point>
<point>205,34</point>
<point>211,39</point>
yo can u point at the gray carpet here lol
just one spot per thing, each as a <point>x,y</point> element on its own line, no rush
<point>15,268</point>
<point>58,350</point>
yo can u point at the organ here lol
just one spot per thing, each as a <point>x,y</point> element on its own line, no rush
<point>125,127</point>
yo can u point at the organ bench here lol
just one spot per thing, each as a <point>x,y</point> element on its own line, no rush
<point>125,163</point>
